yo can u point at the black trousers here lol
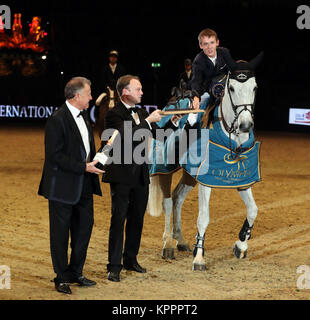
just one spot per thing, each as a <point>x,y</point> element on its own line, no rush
<point>74,220</point>
<point>128,203</point>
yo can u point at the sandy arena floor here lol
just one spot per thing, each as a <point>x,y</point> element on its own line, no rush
<point>280,240</point>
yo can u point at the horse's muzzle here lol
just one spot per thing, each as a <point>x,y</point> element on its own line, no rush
<point>246,126</point>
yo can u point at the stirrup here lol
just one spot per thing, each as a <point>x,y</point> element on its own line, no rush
<point>245,232</point>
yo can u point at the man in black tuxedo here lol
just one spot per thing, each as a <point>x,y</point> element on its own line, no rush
<point>69,181</point>
<point>129,182</point>
<point>209,63</point>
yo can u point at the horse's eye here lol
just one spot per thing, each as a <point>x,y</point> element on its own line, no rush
<point>231,88</point>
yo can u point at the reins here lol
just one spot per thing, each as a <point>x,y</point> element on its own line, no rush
<point>231,130</point>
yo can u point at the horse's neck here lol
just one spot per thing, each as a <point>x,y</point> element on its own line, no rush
<point>241,138</point>
<point>111,92</point>
<point>111,98</point>
<point>228,115</point>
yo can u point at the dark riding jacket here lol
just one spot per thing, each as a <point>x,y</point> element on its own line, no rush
<point>203,69</point>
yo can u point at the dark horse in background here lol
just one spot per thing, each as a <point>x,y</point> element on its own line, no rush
<point>106,100</point>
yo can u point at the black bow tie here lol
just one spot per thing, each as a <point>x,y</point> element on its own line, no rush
<point>133,109</point>
<point>81,113</point>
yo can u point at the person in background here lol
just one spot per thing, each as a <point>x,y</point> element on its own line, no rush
<point>112,71</point>
<point>186,75</point>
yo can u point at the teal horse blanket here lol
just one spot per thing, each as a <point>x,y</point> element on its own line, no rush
<point>164,157</point>
<point>208,157</point>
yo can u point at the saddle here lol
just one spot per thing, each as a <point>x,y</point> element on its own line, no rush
<point>216,91</point>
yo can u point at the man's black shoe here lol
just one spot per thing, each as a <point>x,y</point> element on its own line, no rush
<point>113,276</point>
<point>84,282</point>
<point>63,287</point>
<point>135,267</point>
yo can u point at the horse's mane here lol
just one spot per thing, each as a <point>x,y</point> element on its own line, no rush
<point>207,116</point>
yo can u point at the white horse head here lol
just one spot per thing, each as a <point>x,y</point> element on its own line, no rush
<point>239,97</point>
<point>238,104</point>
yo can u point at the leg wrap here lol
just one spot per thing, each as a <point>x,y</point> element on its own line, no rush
<point>245,232</point>
<point>199,244</point>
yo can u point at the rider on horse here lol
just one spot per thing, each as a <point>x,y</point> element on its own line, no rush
<point>211,62</point>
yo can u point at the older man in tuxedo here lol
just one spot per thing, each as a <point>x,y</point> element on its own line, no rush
<point>69,181</point>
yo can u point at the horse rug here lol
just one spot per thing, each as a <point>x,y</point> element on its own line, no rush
<point>214,161</point>
<point>209,158</point>
<point>164,156</point>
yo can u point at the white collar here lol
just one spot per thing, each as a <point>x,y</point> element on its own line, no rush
<point>127,105</point>
<point>213,59</point>
<point>74,110</point>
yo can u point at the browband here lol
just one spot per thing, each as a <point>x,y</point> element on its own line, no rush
<point>241,75</point>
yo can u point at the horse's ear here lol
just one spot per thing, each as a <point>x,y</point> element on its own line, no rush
<point>178,93</point>
<point>256,61</point>
<point>182,85</point>
<point>173,90</point>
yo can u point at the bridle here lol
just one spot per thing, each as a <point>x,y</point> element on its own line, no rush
<point>241,76</point>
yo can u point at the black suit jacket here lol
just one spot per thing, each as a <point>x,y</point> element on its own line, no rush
<point>64,165</point>
<point>129,173</point>
<point>203,69</point>
<point>183,76</point>
<point>109,78</point>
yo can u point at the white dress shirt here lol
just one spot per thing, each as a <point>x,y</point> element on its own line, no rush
<point>213,59</point>
<point>135,116</point>
<point>113,67</point>
<point>81,125</point>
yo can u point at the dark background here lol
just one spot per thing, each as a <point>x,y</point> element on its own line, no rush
<point>80,35</point>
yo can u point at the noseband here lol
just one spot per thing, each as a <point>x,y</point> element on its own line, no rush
<point>241,76</point>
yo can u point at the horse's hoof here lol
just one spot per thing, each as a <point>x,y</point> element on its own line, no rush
<point>199,267</point>
<point>239,253</point>
<point>183,247</point>
<point>168,253</point>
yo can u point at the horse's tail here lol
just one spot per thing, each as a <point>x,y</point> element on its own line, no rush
<point>155,203</point>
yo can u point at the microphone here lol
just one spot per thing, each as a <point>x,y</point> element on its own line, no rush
<point>103,154</point>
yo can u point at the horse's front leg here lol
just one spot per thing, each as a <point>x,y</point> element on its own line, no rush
<point>241,246</point>
<point>204,193</point>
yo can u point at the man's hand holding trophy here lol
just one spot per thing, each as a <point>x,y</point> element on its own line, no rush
<point>103,154</point>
